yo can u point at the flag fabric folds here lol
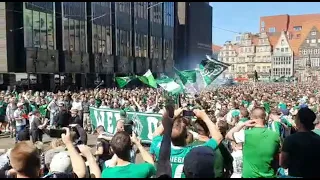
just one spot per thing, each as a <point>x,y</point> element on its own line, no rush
<point>123,81</point>
<point>148,79</point>
<point>210,69</point>
<point>187,76</point>
<point>169,85</point>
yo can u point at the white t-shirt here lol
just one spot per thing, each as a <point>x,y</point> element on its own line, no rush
<point>237,164</point>
<point>77,105</point>
<point>18,114</point>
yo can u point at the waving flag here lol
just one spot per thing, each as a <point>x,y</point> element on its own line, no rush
<point>169,85</point>
<point>210,69</point>
<point>148,79</point>
<point>123,81</point>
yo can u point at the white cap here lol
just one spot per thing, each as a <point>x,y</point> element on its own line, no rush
<point>61,163</point>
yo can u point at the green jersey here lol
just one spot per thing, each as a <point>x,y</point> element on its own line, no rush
<point>259,149</point>
<point>317,131</point>
<point>3,108</point>
<point>43,110</point>
<point>177,154</point>
<point>275,126</point>
<point>282,105</point>
<point>143,170</point>
<point>98,102</point>
<point>245,103</point>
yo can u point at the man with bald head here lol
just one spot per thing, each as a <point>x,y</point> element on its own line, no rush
<point>260,146</point>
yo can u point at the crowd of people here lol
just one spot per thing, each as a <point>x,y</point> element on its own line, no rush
<point>249,131</point>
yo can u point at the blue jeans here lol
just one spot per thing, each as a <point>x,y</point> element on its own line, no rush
<point>18,130</point>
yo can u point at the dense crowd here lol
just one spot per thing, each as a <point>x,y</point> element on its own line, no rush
<point>250,131</point>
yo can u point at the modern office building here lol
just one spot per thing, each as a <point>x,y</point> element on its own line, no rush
<point>83,41</point>
<point>193,33</point>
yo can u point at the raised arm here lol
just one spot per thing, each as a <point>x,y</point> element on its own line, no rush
<point>214,131</point>
<point>78,164</point>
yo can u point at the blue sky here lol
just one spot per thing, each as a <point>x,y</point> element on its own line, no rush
<point>245,16</point>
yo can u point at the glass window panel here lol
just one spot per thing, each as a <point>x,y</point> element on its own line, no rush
<point>77,35</point>
<point>136,39</point>
<point>50,31</point>
<point>129,45</point>
<point>109,40</point>
<point>99,38</point>
<point>36,29</point>
<point>43,30</point>
<point>66,33</point>
<point>145,45</point>
<point>103,39</point>
<point>71,34</point>
<point>28,28</point>
<point>82,36</point>
<point>95,38</point>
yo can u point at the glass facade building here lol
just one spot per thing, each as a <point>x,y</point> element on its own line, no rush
<point>115,33</point>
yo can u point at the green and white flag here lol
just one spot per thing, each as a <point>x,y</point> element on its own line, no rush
<point>169,85</point>
<point>210,69</point>
<point>187,76</point>
<point>148,79</point>
<point>123,81</point>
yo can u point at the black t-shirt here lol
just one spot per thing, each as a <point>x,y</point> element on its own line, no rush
<point>35,123</point>
<point>303,149</point>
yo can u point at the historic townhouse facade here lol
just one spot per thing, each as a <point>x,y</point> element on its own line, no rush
<point>228,54</point>
<point>309,53</point>
<point>263,56</point>
<point>246,56</point>
<point>282,63</point>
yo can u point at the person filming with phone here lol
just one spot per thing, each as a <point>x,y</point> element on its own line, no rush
<point>179,148</point>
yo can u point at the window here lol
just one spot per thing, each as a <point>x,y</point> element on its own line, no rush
<point>297,28</point>
<point>74,23</point>
<point>308,41</point>
<point>282,42</point>
<point>272,29</point>
<point>101,30</point>
<point>262,29</point>
<point>313,40</point>
<point>282,50</point>
<point>313,33</point>
<point>277,49</point>
<point>286,49</point>
<point>38,23</point>
<point>262,24</point>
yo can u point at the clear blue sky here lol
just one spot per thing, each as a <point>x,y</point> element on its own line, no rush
<point>245,16</point>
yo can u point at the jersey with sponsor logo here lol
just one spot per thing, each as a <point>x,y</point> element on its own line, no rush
<point>177,154</point>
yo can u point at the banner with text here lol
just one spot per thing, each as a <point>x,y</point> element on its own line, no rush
<point>144,123</point>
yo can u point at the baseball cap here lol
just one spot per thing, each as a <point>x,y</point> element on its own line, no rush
<point>61,163</point>
<point>199,163</point>
<point>48,155</point>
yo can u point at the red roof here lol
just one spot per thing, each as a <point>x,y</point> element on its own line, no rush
<point>216,48</point>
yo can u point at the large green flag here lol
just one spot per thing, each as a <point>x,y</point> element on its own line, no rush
<point>169,85</point>
<point>123,81</point>
<point>187,76</point>
<point>148,79</point>
<point>210,69</point>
